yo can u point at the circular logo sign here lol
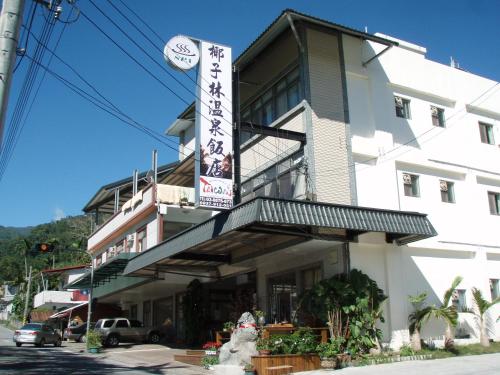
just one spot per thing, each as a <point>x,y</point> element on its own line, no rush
<point>181,53</point>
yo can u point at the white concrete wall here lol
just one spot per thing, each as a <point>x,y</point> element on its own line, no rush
<point>385,147</point>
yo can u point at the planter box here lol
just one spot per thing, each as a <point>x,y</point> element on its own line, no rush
<point>299,362</point>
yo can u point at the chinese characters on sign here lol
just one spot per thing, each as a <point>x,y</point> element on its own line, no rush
<point>214,118</point>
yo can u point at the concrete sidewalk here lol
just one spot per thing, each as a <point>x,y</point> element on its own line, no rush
<point>486,364</point>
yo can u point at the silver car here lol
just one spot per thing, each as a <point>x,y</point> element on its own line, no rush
<point>38,334</point>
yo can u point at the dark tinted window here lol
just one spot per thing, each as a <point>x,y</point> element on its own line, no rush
<point>135,323</point>
<point>108,323</point>
<point>122,324</point>
<point>32,326</point>
<point>98,324</point>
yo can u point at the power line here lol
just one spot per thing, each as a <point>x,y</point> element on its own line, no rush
<point>22,101</point>
<point>151,57</point>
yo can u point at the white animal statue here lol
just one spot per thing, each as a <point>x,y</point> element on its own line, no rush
<point>241,346</point>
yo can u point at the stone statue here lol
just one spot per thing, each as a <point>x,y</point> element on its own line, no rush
<point>241,346</point>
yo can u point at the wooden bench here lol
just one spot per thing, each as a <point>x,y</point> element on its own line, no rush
<point>279,370</point>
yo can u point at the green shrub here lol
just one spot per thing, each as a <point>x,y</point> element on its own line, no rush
<point>406,351</point>
<point>209,360</point>
<point>331,348</point>
<point>94,339</point>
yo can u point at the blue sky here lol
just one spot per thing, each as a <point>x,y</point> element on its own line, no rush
<point>68,148</point>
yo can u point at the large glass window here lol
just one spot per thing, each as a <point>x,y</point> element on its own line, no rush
<point>275,101</point>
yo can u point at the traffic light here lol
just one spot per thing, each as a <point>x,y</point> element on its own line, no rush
<point>44,247</point>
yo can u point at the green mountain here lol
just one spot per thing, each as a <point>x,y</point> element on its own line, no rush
<point>7,233</point>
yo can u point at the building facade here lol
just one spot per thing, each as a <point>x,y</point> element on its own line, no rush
<point>348,141</point>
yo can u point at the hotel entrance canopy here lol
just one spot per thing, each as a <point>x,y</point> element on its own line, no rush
<point>264,225</point>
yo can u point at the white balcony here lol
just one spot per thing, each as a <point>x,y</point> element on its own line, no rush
<point>58,298</point>
<point>137,209</point>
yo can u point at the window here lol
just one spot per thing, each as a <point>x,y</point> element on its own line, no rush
<point>119,247</point>
<point>486,132</point>
<point>494,201</point>
<point>437,115</point>
<point>402,107</point>
<point>142,240</point>
<point>458,300</point>
<point>98,260</point>
<point>282,292</point>
<point>447,191</point>
<point>122,323</point>
<point>310,277</point>
<point>494,288</point>
<point>410,182</point>
<point>278,99</point>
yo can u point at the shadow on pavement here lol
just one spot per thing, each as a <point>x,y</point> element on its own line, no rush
<point>31,360</point>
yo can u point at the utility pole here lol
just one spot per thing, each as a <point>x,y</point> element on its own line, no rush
<point>11,19</point>
<point>26,300</point>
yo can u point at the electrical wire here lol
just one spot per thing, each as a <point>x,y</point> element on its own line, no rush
<point>32,11</point>
<point>22,101</point>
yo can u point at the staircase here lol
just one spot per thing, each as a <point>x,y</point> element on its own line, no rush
<point>192,357</point>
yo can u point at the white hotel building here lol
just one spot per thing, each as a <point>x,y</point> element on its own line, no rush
<point>377,133</point>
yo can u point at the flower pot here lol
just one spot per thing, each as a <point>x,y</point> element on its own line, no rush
<point>211,352</point>
<point>249,372</point>
<point>264,352</point>
<point>343,360</point>
<point>94,350</point>
<point>328,363</point>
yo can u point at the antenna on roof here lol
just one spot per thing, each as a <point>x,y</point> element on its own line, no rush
<point>453,63</point>
<point>366,29</point>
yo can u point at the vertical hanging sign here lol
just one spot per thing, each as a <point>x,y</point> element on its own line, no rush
<point>214,120</point>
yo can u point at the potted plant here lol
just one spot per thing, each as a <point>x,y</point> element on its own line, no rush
<point>329,351</point>
<point>94,342</point>
<point>264,346</point>
<point>211,348</point>
<point>249,369</point>
<point>228,327</point>
<point>209,360</point>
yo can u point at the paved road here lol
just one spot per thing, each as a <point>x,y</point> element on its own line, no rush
<point>71,358</point>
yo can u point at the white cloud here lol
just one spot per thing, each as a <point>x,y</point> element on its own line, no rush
<point>59,214</point>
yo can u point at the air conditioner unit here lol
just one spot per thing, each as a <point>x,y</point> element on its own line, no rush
<point>434,111</point>
<point>111,251</point>
<point>131,237</point>
<point>407,179</point>
<point>398,100</point>
<point>443,185</point>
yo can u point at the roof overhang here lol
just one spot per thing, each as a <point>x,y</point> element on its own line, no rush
<point>109,270</point>
<point>283,22</point>
<point>263,225</point>
<point>65,313</point>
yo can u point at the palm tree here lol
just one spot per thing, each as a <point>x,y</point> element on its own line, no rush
<point>449,313</point>
<point>422,314</point>
<point>482,306</point>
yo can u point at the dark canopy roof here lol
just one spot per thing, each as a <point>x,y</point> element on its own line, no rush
<point>267,224</point>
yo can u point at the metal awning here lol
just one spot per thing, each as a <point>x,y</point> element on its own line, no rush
<point>66,312</point>
<point>111,269</point>
<point>263,225</point>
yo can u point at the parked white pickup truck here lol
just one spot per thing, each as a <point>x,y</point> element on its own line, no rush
<point>116,330</point>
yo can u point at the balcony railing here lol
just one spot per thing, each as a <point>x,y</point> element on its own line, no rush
<point>58,298</point>
<point>138,208</point>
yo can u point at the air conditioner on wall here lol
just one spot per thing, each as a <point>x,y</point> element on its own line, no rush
<point>406,179</point>
<point>443,185</point>
<point>131,237</point>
